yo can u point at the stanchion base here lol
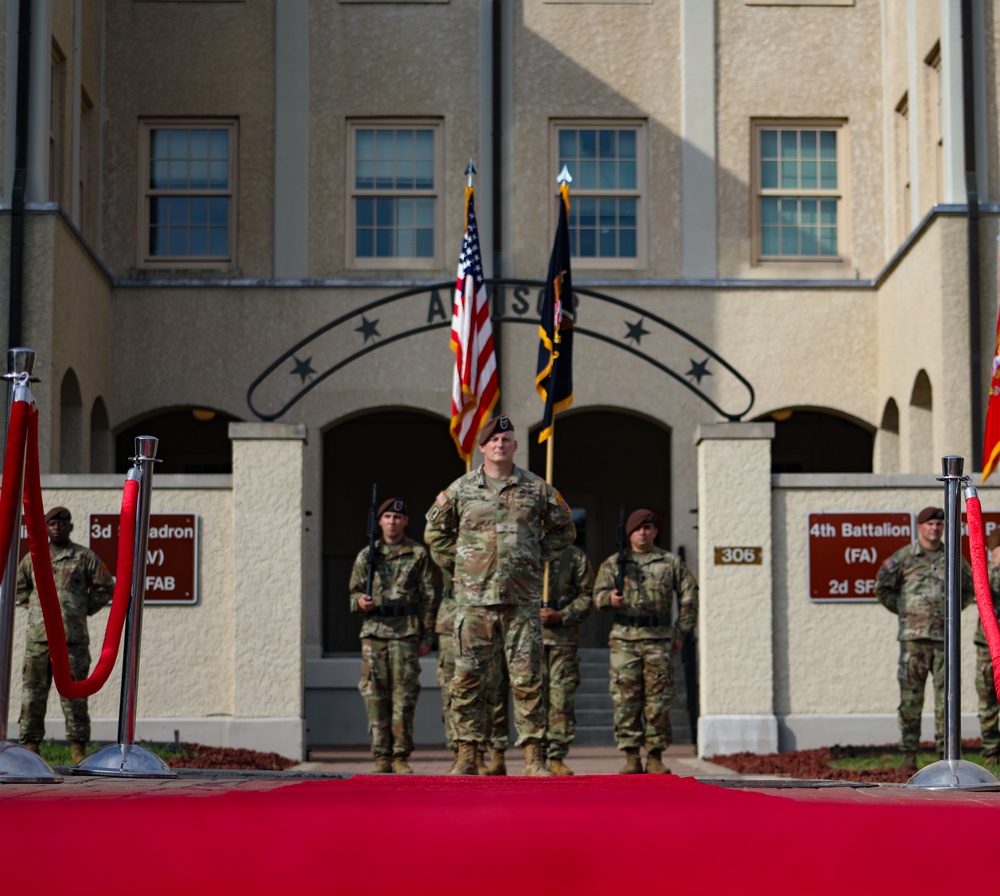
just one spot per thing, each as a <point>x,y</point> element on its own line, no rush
<point>21,766</point>
<point>954,774</point>
<point>123,761</point>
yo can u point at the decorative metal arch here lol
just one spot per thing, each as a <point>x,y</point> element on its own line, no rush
<point>269,397</point>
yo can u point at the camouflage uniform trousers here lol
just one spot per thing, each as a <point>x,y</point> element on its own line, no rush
<point>497,695</point>
<point>561,678</point>
<point>919,658</point>
<point>479,634</point>
<point>642,690</point>
<point>498,701</point>
<point>445,673</point>
<point>989,709</point>
<point>35,683</point>
<point>390,684</point>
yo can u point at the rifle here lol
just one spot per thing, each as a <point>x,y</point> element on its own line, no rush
<point>372,529</point>
<point>622,541</point>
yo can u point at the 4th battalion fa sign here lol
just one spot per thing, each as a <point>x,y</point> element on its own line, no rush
<point>846,550</point>
<point>171,554</point>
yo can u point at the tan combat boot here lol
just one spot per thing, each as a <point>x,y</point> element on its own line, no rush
<point>31,745</point>
<point>497,766</point>
<point>465,763</point>
<point>481,767</point>
<point>908,763</point>
<point>534,763</point>
<point>382,766</point>
<point>454,759</point>
<point>633,764</point>
<point>400,766</point>
<point>559,767</point>
<point>654,763</point>
<point>78,751</point>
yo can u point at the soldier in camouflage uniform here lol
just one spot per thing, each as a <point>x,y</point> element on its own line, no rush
<point>644,639</point>
<point>911,583</point>
<point>989,709</point>
<point>572,589</point>
<point>84,585</point>
<point>397,630</point>
<point>495,528</point>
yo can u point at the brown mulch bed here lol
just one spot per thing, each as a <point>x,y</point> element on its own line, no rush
<point>198,756</point>
<point>817,764</point>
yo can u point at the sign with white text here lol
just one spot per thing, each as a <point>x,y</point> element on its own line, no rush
<point>171,554</point>
<point>845,551</point>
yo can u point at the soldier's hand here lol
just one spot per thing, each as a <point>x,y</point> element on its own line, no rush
<point>366,602</point>
<point>678,644</point>
<point>423,649</point>
<point>617,600</point>
<point>551,617</point>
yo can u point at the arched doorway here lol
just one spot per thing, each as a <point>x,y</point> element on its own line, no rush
<point>598,476</point>
<point>70,425</point>
<point>193,440</point>
<point>811,441</point>
<point>409,455</point>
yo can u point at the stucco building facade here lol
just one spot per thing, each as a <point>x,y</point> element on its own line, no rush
<point>243,211</point>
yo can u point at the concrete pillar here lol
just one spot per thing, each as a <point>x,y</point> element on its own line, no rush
<point>268,683</point>
<point>735,631</point>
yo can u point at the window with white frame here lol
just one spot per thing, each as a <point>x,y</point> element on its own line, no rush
<point>607,163</point>
<point>188,215</point>
<point>798,183</point>
<point>394,181</point>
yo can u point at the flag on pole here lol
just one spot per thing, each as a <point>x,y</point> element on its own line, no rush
<point>554,377</point>
<point>991,441</point>
<point>475,388</point>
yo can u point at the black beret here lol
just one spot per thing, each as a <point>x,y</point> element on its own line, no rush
<point>495,424</point>
<point>396,505</point>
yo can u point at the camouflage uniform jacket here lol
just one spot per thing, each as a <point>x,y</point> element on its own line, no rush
<point>83,584</point>
<point>651,580</point>
<point>980,637</point>
<point>571,592</point>
<point>496,543</point>
<point>402,585</point>
<point>911,583</point>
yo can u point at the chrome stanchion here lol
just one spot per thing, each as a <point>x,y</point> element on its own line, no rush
<point>17,765</point>
<point>952,772</point>
<point>125,759</point>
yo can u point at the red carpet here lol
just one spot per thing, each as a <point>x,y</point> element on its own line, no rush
<point>433,835</point>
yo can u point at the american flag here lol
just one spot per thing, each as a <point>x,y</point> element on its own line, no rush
<point>475,388</point>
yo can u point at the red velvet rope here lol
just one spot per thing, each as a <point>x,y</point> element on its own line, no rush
<point>45,584</point>
<point>981,579</point>
<point>13,474</point>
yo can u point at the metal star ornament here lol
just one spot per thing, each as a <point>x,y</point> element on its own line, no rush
<point>368,329</point>
<point>303,368</point>
<point>698,370</point>
<point>635,331</point>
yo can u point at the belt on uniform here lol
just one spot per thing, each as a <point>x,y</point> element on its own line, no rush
<point>407,610</point>
<point>644,621</point>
